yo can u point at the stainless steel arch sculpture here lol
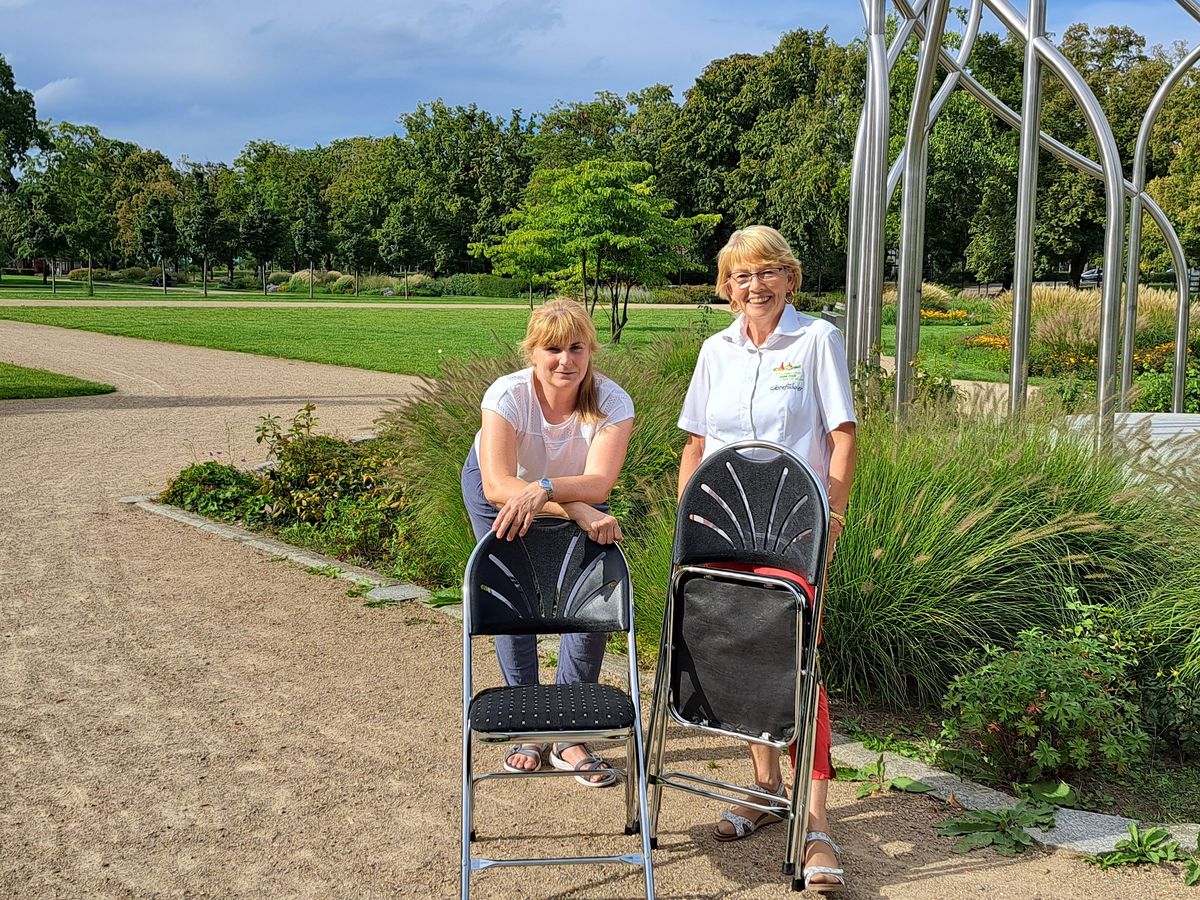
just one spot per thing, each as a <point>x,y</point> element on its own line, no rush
<point>870,193</point>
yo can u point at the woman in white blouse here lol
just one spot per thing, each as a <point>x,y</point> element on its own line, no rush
<point>552,442</point>
<point>779,376</point>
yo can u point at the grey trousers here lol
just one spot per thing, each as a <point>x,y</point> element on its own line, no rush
<point>579,655</point>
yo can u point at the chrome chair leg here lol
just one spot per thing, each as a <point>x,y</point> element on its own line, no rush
<point>468,814</point>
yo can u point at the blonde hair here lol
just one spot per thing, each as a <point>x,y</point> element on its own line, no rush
<point>754,245</point>
<point>560,323</point>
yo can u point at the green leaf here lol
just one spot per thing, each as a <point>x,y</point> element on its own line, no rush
<point>1055,792</point>
<point>976,841</point>
<point>1191,872</point>
<point>910,785</point>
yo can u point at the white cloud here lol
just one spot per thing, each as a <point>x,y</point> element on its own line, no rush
<point>60,90</point>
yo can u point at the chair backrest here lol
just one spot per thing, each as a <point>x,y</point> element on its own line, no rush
<point>754,502</point>
<point>554,580</point>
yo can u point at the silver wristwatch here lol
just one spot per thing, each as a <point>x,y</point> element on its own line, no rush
<point>546,485</point>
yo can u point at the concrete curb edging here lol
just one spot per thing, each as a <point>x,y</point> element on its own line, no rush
<point>1076,830</point>
<point>383,588</point>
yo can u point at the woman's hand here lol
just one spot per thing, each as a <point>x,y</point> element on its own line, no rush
<point>600,526</point>
<point>517,513</point>
<point>835,531</point>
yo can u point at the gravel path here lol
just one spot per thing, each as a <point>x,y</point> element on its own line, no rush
<point>183,717</point>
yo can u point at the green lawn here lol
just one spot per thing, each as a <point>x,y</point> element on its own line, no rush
<point>392,339</point>
<point>19,383</point>
<point>942,353</point>
<point>30,287</point>
<point>411,341</point>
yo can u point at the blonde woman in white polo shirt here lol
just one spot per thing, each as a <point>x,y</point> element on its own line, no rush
<point>552,442</point>
<point>776,375</point>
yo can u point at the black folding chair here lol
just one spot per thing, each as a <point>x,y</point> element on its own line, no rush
<point>738,656</point>
<point>555,580</point>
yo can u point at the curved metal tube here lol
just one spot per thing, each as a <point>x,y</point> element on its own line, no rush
<point>1135,251</point>
<point>912,207</point>
<point>1114,231</point>
<point>869,246</point>
<point>1022,293</point>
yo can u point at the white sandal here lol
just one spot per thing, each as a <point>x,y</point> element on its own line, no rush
<point>530,751</point>
<point>823,887</point>
<point>591,766</point>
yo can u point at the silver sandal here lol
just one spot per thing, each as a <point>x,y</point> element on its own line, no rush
<point>824,887</point>
<point>743,827</point>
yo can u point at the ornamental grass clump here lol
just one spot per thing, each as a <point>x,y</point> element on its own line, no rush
<point>965,530</point>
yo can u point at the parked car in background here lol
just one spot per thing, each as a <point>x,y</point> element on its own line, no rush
<point>1091,277</point>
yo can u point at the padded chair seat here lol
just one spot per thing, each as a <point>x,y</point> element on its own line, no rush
<point>550,707</point>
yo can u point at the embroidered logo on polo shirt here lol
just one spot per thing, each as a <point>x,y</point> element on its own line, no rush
<point>788,377</point>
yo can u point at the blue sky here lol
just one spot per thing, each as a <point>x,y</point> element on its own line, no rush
<point>201,78</point>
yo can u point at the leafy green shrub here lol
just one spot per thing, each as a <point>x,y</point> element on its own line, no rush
<point>421,286</point>
<point>810,303</point>
<point>133,275</point>
<point>314,472</point>
<point>499,286</point>
<point>1156,390</point>
<point>343,285</point>
<point>212,489</point>
<point>365,529</point>
<point>242,281</point>
<point>461,285</point>
<point>279,278</point>
<point>1050,706</point>
<point>684,294</point>
<point>1171,713</point>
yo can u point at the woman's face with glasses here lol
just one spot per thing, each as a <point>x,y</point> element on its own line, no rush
<point>762,290</point>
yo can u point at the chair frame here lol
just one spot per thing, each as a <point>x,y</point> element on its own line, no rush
<point>808,617</point>
<point>633,775</point>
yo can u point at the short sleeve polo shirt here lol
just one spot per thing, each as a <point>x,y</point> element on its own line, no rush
<point>793,390</point>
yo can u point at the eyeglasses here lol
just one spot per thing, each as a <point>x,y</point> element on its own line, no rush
<point>766,276</point>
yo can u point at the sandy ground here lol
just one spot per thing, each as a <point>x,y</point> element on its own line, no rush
<point>183,717</point>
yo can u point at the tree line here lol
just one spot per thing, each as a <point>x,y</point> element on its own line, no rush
<point>615,190</point>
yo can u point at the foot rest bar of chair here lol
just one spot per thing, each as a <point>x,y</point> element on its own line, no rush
<point>739,798</point>
<point>550,773</point>
<point>632,859</point>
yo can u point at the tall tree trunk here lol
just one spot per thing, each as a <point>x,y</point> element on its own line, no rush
<point>311,278</point>
<point>531,293</point>
<point>406,282</point>
<point>264,278</point>
<point>90,289</point>
<point>53,281</point>
<point>204,275</point>
<point>596,284</point>
<point>162,262</point>
<point>583,275</point>
<point>356,282</point>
